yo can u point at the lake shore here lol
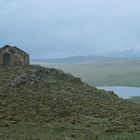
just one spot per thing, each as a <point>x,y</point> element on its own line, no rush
<point>125,92</point>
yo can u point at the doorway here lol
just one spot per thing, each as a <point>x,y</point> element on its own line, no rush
<point>7,59</point>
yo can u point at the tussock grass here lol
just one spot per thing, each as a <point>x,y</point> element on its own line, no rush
<point>54,105</point>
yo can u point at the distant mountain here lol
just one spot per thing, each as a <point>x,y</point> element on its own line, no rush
<point>84,60</point>
<point>126,53</point>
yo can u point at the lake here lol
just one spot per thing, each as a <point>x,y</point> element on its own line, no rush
<point>123,91</point>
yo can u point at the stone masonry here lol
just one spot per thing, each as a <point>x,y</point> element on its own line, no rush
<point>13,56</point>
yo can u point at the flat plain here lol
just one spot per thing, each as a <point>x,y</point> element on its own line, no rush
<point>112,73</point>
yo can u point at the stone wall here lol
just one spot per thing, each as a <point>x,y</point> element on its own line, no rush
<point>13,56</point>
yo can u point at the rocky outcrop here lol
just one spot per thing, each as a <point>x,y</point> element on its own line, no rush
<point>32,75</point>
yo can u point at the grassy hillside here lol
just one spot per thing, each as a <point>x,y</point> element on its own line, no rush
<point>45,103</point>
<point>135,99</point>
<point>116,73</point>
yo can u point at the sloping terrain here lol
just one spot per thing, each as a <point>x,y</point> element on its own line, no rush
<point>37,95</point>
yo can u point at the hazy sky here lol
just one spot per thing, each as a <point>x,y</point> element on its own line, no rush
<point>58,28</point>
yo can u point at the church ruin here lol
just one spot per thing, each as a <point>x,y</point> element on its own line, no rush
<point>13,56</point>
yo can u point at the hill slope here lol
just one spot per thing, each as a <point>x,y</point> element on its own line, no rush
<point>35,94</point>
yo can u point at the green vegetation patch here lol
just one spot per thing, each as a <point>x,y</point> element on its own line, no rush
<point>46,103</point>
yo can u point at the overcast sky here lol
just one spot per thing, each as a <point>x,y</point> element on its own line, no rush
<point>60,28</point>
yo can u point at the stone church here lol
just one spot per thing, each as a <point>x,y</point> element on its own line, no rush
<point>13,56</point>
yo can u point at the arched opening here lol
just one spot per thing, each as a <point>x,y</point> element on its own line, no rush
<point>6,59</point>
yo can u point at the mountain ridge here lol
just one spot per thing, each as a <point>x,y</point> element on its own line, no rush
<point>85,60</point>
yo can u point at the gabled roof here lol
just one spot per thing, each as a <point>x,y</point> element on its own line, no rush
<point>11,48</point>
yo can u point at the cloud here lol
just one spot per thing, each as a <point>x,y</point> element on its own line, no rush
<point>62,27</point>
